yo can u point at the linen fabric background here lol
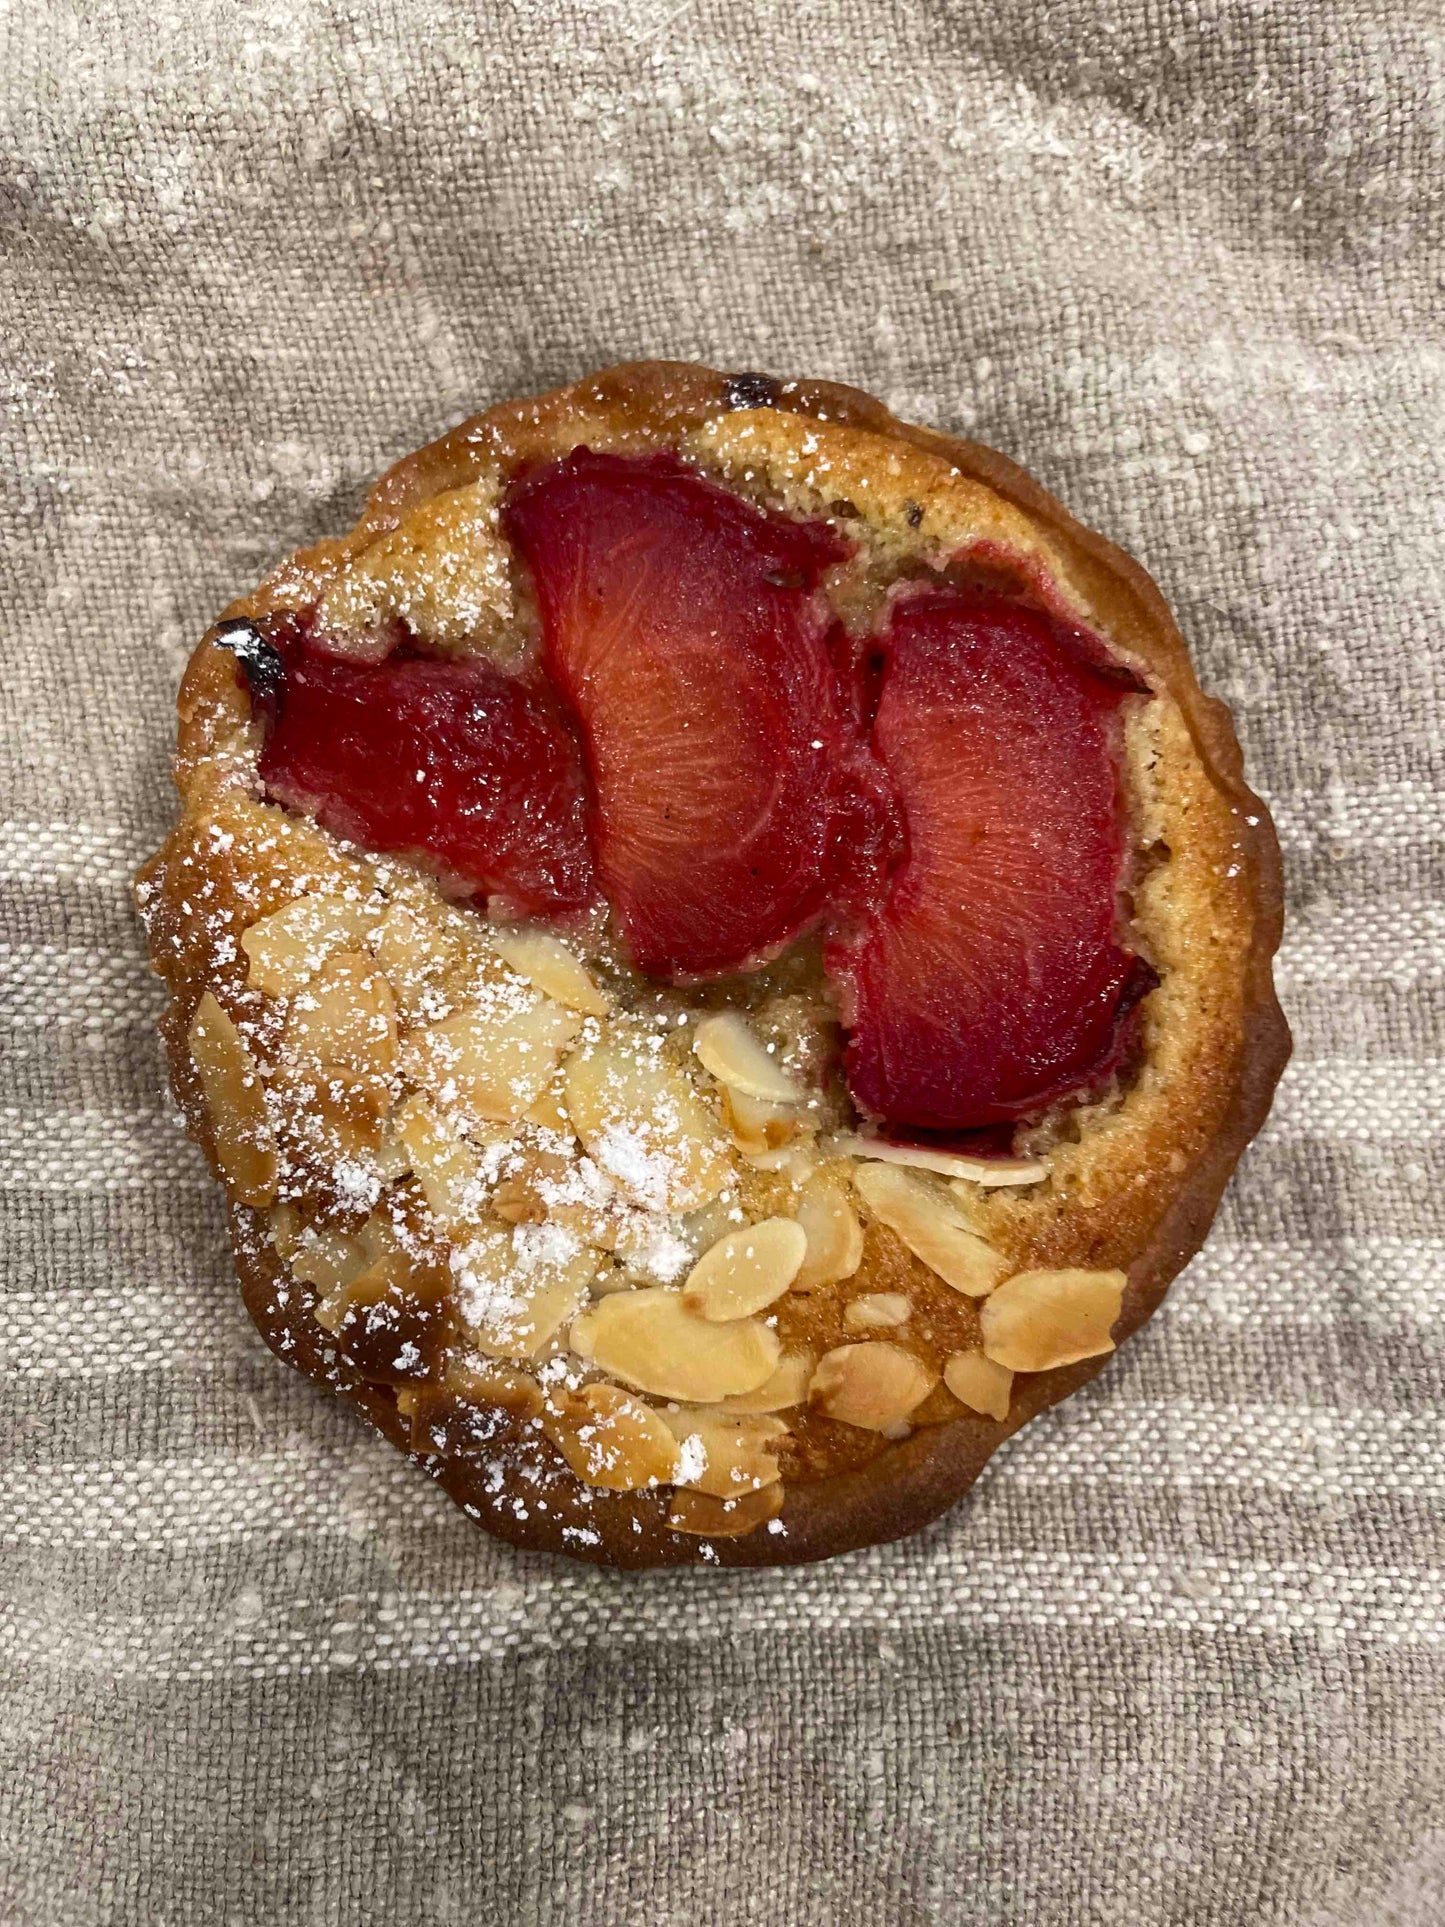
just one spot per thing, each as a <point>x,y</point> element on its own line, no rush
<point>1181,1657</point>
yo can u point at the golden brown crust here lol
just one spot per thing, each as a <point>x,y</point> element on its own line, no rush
<point>1127,1202</point>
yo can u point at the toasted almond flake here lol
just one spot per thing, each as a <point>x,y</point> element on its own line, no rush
<point>342,1026</point>
<point>729,1047</point>
<point>241,1138</point>
<point>722,1453</point>
<point>448,1170</point>
<point>490,1382</point>
<point>283,1226</point>
<point>285,950</point>
<point>474,1405</point>
<point>834,1235</point>
<point>1039,1319</point>
<point>552,968</point>
<point>413,954</point>
<point>948,1164</point>
<point>788,1386</point>
<point>874,1385</point>
<point>494,1060</point>
<point>979,1383</point>
<point>650,1339</point>
<point>388,1322</point>
<point>930,1223</point>
<point>877,1309</point>
<point>548,1112</point>
<point>746,1269</point>
<point>759,1127</point>
<point>329,1259</point>
<point>514,1299</point>
<point>796,1162</point>
<point>644,1124</point>
<point>610,1439</point>
<point>705,1517</point>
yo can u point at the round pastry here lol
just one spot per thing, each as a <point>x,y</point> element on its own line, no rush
<point>720,956</point>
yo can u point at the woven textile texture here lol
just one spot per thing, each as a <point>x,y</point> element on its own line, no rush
<point>1181,1657</point>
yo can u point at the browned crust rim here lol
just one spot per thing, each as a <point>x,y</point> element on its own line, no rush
<point>913,1482</point>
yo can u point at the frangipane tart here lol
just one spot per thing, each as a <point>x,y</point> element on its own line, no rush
<point>720,956</point>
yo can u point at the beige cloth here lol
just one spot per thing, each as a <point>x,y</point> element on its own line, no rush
<point>1181,1659</point>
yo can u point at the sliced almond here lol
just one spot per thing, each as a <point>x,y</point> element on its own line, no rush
<point>644,1124</point>
<point>474,1408</point>
<point>874,1385</point>
<point>760,1127</point>
<point>705,1517</point>
<point>283,1226</point>
<point>391,1321</point>
<point>493,1060</point>
<point>729,1047</point>
<point>834,1235</point>
<point>796,1162</point>
<point>413,955</point>
<point>977,1382</point>
<point>1039,1319</point>
<point>445,1165</point>
<point>611,1439</point>
<point>330,1260</point>
<point>932,1226</point>
<point>722,1453</point>
<point>549,966</point>
<point>877,1309</point>
<point>342,1026</point>
<point>746,1269</point>
<point>947,1164</point>
<point>650,1339</point>
<point>516,1289</point>
<point>787,1386</point>
<point>547,1113</point>
<point>285,950</point>
<point>241,1137</point>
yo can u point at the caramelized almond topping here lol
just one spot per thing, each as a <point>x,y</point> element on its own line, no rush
<point>391,1323</point>
<point>835,1237</point>
<point>342,1025</point>
<point>286,949</point>
<point>877,1308</point>
<point>644,1124</point>
<point>495,1059</point>
<point>729,1047</point>
<point>651,1340</point>
<point>446,1167</point>
<point>241,1139</point>
<point>724,1454</point>
<point>788,1386</point>
<point>609,1438</point>
<point>874,1385</point>
<point>746,1269</point>
<point>1039,1319</point>
<point>552,968</point>
<point>980,1384</point>
<point>705,1517</point>
<point>930,1223</point>
<point>947,1164</point>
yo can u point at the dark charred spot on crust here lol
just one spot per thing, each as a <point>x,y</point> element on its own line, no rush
<point>914,513</point>
<point>751,391</point>
<point>260,660</point>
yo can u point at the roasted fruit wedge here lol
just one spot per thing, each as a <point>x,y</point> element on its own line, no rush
<point>991,980</point>
<point>457,763</point>
<point>682,631</point>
